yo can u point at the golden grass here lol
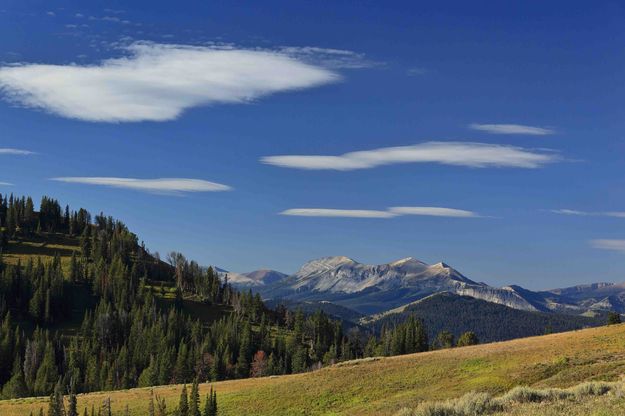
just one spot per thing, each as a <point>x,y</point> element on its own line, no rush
<point>384,386</point>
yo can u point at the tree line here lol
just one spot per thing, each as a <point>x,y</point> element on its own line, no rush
<point>138,328</point>
<point>132,335</point>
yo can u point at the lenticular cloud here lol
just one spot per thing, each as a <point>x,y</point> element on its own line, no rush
<point>157,82</point>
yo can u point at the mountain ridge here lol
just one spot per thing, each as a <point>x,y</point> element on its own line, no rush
<point>373,289</point>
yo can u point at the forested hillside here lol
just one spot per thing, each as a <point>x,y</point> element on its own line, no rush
<point>446,312</point>
<point>82,301</point>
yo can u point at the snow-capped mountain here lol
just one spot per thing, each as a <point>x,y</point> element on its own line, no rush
<point>371,289</point>
<point>375,288</point>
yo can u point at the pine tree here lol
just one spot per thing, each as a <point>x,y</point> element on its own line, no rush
<point>56,406</point>
<point>151,403</point>
<point>47,372</point>
<point>194,400</point>
<point>72,407</point>
<point>613,318</point>
<point>16,386</point>
<point>467,338</point>
<point>161,408</point>
<point>183,405</point>
<point>214,401</point>
<point>207,405</point>
<point>445,339</point>
<point>210,405</point>
<point>108,410</point>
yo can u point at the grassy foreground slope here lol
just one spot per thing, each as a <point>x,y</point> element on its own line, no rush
<point>383,386</point>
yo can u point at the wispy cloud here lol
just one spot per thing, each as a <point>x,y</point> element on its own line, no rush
<point>347,213</point>
<point>158,82</point>
<point>160,185</point>
<point>328,57</point>
<point>512,129</point>
<point>6,184</point>
<point>565,211</point>
<point>416,71</point>
<point>389,213</point>
<point>476,155</point>
<point>433,212</point>
<point>608,244</point>
<point>21,152</point>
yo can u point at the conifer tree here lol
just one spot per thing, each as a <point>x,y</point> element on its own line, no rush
<point>183,405</point>
<point>16,386</point>
<point>72,407</point>
<point>151,403</point>
<point>210,405</point>
<point>467,338</point>
<point>56,406</point>
<point>47,372</point>
<point>194,400</point>
<point>445,339</point>
<point>214,401</point>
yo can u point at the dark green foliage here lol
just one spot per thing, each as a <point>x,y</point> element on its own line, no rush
<point>151,404</point>
<point>467,338</point>
<point>405,338</point>
<point>183,404</point>
<point>444,339</point>
<point>72,407</point>
<point>16,386</point>
<point>56,406</point>
<point>210,404</point>
<point>194,400</point>
<point>614,318</point>
<point>489,321</point>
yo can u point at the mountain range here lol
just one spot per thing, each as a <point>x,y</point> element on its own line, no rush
<point>374,289</point>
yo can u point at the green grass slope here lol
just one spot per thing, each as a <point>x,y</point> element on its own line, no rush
<point>383,386</point>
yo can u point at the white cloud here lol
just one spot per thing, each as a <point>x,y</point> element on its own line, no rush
<point>9,151</point>
<point>161,185</point>
<point>389,213</point>
<point>607,244</point>
<point>350,213</point>
<point>6,184</point>
<point>157,82</point>
<point>477,155</point>
<point>511,129</point>
<point>565,211</point>
<point>433,211</point>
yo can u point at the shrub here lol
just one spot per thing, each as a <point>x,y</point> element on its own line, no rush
<point>471,404</point>
<point>591,388</point>
<point>524,394</point>
<point>474,404</point>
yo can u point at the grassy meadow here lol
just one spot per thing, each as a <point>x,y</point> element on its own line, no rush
<point>385,386</point>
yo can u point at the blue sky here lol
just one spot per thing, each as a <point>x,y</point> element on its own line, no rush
<point>504,111</point>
